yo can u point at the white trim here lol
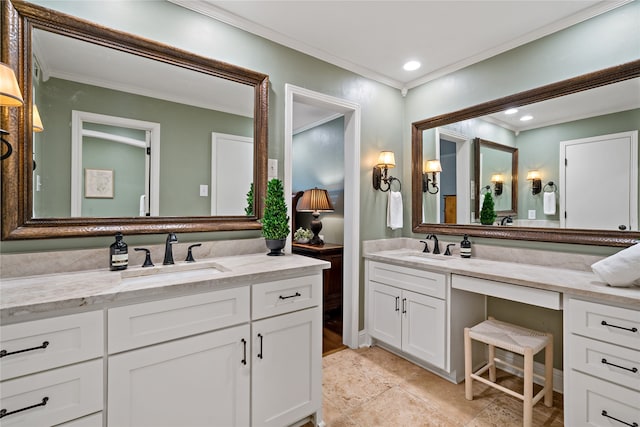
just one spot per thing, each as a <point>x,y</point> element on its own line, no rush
<point>352,124</point>
<point>152,137</point>
<point>463,173</point>
<point>115,138</point>
<point>317,123</point>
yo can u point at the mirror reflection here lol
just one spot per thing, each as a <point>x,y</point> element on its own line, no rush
<point>149,130</point>
<point>586,128</point>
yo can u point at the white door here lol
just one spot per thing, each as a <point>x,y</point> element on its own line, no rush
<point>385,320</point>
<point>423,327</point>
<point>231,173</point>
<point>599,182</point>
<point>198,381</point>
<point>286,364</point>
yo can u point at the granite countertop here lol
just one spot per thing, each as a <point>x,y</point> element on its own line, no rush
<point>576,282</point>
<point>43,293</point>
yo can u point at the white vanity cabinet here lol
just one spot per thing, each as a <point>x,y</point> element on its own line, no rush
<point>416,313</point>
<point>602,364</point>
<point>286,351</point>
<point>52,370</point>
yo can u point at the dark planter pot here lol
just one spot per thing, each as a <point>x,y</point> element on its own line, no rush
<point>275,246</point>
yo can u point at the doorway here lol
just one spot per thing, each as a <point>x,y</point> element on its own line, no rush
<point>351,252</point>
<point>455,159</point>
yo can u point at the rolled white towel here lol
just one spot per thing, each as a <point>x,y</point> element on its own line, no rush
<point>620,269</point>
<point>549,203</point>
<point>394,210</point>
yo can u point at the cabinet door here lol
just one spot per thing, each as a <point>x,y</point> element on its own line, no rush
<point>198,381</point>
<point>385,321</point>
<point>423,327</point>
<point>287,368</point>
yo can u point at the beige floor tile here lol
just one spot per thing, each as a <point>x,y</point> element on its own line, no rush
<point>390,363</point>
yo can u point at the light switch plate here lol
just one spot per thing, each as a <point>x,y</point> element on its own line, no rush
<point>204,190</point>
<point>532,214</point>
<point>272,168</point>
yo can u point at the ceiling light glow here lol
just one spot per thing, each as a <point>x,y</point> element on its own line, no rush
<point>511,111</point>
<point>526,118</point>
<point>411,65</point>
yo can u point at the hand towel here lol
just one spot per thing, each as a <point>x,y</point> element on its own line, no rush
<point>142,208</point>
<point>620,269</point>
<point>549,203</point>
<point>394,210</point>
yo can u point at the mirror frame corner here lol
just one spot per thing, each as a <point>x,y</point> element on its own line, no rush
<point>18,18</point>
<point>587,81</point>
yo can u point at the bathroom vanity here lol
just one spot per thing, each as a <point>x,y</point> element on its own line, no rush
<point>236,342</point>
<point>418,304</point>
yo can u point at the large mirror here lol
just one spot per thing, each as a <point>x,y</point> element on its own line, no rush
<point>138,136</point>
<point>546,194</point>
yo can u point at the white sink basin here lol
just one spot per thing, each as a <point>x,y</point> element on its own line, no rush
<point>181,271</point>
<point>423,257</point>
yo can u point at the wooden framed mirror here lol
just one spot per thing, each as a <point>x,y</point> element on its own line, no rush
<point>26,28</point>
<point>584,84</point>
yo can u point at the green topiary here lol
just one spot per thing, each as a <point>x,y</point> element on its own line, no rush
<point>249,209</point>
<point>487,213</point>
<point>275,223</point>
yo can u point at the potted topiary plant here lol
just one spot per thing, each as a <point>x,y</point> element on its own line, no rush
<point>487,213</point>
<point>249,209</point>
<point>275,222</point>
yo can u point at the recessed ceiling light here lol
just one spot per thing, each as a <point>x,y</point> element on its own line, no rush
<point>411,65</point>
<point>511,111</point>
<point>526,118</point>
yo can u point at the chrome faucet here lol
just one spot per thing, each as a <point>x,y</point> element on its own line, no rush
<point>436,245</point>
<point>168,250</point>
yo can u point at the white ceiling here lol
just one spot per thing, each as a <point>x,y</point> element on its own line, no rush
<point>375,38</point>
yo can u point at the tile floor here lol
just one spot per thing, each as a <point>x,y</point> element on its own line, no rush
<point>372,387</point>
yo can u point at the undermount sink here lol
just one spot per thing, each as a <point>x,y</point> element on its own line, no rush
<point>423,256</point>
<point>177,271</point>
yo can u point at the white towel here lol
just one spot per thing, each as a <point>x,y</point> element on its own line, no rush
<point>620,269</point>
<point>549,203</point>
<point>394,210</point>
<point>142,208</point>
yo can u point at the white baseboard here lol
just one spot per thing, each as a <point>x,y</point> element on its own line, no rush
<point>538,368</point>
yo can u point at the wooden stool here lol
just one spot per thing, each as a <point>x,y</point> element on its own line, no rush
<point>515,339</point>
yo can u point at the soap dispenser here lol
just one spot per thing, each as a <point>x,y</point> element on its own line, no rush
<point>465,247</point>
<point>118,254</point>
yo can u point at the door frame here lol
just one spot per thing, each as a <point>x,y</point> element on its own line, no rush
<point>463,173</point>
<point>351,261</point>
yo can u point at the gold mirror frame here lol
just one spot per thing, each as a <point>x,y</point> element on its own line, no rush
<point>565,87</point>
<point>18,20</point>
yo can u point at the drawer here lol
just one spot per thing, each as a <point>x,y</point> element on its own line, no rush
<point>148,323</point>
<point>616,325</point>
<point>69,339</point>
<point>618,365</point>
<point>94,420</point>
<point>71,392</point>
<point>593,402</point>
<point>523,294</point>
<point>420,281</point>
<point>284,296</point>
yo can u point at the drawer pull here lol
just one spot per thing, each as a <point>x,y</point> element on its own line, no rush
<point>244,351</point>
<point>260,353</point>
<point>4,353</point>
<point>634,369</point>
<point>604,323</point>
<point>297,294</point>
<point>605,414</point>
<point>4,412</point>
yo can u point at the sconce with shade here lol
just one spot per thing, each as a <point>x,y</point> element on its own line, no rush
<point>431,166</point>
<point>497,180</point>
<point>315,200</point>
<point>37,121</point>
<point>536,181</point>
<point>10,96</point>
<point>386,161</point>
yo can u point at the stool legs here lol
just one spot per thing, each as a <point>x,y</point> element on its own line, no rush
<point>468,385</point>
<point>528,388</point>
<point>548,372</point>
<point>492,363</point>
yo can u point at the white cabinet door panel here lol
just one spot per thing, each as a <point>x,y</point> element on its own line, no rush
<point>385,319</point>
<point>423,328</point>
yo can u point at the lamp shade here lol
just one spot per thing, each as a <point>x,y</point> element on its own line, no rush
<point>315,200</point>
<point>10,95</point>
<point>432,166</point>
<point>387,158</point>
<point>37,121</point>
<point>533,175</point>
<point>497,178</point>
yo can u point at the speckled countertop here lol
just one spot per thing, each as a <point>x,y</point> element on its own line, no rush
<point>30,295</point>
<point>575,282</point>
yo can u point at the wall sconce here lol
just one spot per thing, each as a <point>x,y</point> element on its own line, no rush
<point>10,96</point>
<point>386,161</point>
<point>536,181</point>
<point>497,180</point>
<point>431,166</point>
<point>37,121</point>
<point>315,200</point>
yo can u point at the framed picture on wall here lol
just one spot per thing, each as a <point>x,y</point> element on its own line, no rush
<point>98,183</point>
